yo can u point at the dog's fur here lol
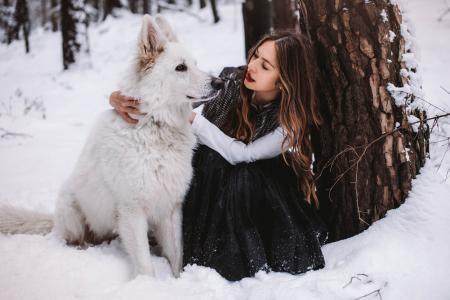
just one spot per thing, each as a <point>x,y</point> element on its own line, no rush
<point>131,179</point>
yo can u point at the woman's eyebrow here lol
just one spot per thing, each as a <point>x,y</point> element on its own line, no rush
<point>264,59</point>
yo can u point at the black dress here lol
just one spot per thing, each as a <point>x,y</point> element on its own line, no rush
<point>239,219</point>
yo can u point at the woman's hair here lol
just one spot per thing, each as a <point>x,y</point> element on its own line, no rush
<point>298,106</point>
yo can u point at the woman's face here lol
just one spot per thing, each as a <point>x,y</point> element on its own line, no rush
<point>263,70</point>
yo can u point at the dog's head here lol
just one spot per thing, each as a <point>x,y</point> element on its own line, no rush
<point>168,75</point>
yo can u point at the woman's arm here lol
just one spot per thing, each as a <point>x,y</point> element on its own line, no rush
<point>232,150</point>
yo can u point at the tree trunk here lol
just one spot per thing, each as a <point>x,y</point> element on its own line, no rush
<point>366,152</point>
<point>22,21</point>
<point>147,7</point>
<point>43,12</point>
<point>257,21</point>
<point>54,14</point>
<point>214,11</point>
<point>284,15</point>
<point>74,30</point>
<point>108,6</point>
<point>132,5</point>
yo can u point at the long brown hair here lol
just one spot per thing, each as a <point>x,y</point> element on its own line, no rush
<point>298,105</point>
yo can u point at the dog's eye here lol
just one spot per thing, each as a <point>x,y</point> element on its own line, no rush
<point>181,68</point>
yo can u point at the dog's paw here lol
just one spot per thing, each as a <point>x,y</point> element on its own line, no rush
<point>176,269</point>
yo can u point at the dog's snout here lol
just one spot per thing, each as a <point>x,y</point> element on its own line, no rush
<point>217,83</point>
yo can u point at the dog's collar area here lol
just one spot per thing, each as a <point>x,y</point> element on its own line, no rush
<point>149,119</point>
<point>156,122</point>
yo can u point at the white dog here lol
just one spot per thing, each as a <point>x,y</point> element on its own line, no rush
<point>131,179</point>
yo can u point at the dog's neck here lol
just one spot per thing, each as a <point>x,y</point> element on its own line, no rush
<point>168,116</point>
<point>159,113</point>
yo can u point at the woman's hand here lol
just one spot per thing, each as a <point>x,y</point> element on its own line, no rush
<point>125,105</point>
<point>192,117</point>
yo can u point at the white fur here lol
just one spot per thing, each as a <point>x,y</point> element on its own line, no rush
<point>130,179</point>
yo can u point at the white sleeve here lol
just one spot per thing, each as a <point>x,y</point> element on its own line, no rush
<point>198,110</point>
<point>235,151</point>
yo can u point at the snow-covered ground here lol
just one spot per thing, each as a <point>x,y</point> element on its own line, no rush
<point>406,255</point>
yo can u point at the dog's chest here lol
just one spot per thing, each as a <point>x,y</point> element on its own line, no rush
<point>159,161</point>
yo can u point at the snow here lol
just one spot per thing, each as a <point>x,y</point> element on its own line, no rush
<point>384,16</point>
<point>391,36</point>
<point>403,94</point>
<point>405,255</point>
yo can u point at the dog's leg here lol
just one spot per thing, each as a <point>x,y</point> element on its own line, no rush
<point>168,234</point>
<point>69,220</point>
<point>132,228</point>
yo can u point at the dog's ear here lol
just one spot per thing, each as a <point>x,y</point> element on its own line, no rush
<point>166,28</point>
<point>152,40</point>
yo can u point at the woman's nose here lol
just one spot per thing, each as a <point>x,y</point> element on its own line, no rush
<point>251,67</point>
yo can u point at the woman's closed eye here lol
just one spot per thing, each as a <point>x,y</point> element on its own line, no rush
<point>262,64</point>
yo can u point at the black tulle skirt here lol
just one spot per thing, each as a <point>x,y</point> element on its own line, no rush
<point>249,217</point>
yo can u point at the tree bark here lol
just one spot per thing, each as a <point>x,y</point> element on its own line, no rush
<point>363,161</point>
<point>257,21</point>
<point>284,16</point>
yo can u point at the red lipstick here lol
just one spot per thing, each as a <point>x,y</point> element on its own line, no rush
<point>248,77</point>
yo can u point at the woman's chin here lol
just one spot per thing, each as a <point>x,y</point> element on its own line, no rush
<point>248,85</point>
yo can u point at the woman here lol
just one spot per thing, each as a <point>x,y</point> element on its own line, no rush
<point>249,206</point>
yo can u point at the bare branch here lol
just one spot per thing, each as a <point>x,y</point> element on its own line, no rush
<point>5,134</point>
<point>448,92</point>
